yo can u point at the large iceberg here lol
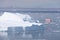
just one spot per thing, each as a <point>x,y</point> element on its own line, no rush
<point>9,19</point>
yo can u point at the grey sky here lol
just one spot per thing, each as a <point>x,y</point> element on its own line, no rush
<point>30,3</point>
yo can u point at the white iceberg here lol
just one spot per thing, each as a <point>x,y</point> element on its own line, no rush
<point>9,19</point>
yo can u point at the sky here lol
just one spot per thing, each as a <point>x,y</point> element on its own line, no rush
<point>29,3</point>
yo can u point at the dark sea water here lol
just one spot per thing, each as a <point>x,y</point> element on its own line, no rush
<point>32,36</point>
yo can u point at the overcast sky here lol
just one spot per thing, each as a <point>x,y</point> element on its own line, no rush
<point>30,3</point>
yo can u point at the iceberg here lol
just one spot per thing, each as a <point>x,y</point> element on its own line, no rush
<point>9,19</point>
